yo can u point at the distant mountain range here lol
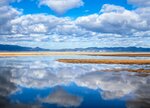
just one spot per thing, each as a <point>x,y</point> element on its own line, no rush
<point>19,48</point>
<point>111,49</point>
<point>90,49</point>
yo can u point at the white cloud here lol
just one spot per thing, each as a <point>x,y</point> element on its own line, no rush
<point>103,27</point>
<point>61,6</point>
<point>113,19</point>
<point>106,8</point>
<point>32,24</point>
<point>7,14</point>
<point>144,13</point>
<point>142,3</point>
<point>50,27</point>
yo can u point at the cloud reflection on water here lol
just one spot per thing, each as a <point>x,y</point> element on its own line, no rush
<point>8,87</point>
<point>48,74</point>
<point>61,97</point>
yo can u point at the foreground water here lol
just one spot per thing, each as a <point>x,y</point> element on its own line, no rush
<point>42,82</point>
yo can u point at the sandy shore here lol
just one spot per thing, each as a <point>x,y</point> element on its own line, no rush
<point>104,61</point>
<point>37,53</point>
<point>93,61</point>
<point>73,53</point>
<point>122,54</point>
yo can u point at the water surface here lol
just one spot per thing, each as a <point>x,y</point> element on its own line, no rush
<point>42,82</point>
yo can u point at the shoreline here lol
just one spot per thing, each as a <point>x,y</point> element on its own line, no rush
<point>118,54</point>
<point>89,61</point>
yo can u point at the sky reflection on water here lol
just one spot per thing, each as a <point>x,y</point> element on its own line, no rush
<point>38,82</point>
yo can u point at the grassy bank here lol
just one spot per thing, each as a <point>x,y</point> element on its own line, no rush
<point>104,61</point>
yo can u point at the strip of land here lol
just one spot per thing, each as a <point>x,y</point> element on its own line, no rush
<point>121,54</point>
<point>92,61</point>
<point>104,61</point>
<point>128,70</point>
<point>118,54</point>
<point>37,53</point>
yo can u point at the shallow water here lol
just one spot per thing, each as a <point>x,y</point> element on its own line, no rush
<point>42,82</point>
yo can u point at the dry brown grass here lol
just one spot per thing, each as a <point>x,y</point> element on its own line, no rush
<point>128,70</point>
<point>104,61</point>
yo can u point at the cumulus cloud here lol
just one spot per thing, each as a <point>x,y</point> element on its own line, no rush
<point>142,3</point>
<point>113,19</point>
<point>7,14</point>
<point>49,28</point>
<point>106,8</point>
<point>61,6</point>
<point>32,24</point>
<point>111,23</point>
<point>143,8</point>
<point>144,13</point>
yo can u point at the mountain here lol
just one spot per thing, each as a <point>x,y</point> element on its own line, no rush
<point>89,49</point>
<point>111,49</point>
<point>19,48</point>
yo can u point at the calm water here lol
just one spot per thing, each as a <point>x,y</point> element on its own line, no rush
<point>42,82</point>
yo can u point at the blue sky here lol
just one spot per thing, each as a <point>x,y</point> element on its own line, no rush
<point>75,23</point>
<point>90,7</point>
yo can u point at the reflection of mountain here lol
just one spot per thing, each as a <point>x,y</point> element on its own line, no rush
<point>61,97</point>
<point>93,49</point>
